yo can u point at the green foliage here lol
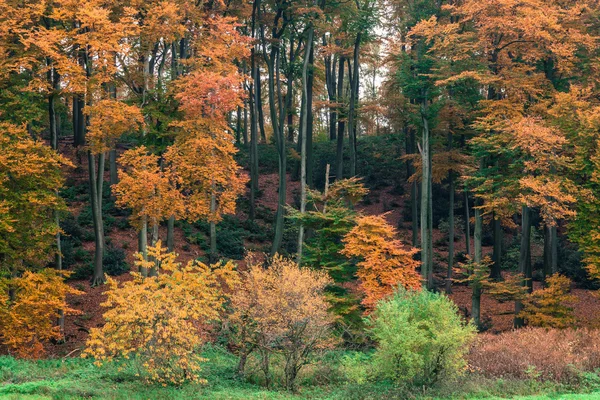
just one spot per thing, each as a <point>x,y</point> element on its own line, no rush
<point>420,338</point>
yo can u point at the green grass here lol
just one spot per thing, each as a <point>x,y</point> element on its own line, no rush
<point>80,379</point>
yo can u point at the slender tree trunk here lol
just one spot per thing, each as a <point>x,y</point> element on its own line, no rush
<point>554,250</point>
<point>96,180</point>
<point>281,147</point>
<point>171,233</point>
<point>143,243</point>
<point>524,261</point>
<point>54,144</point>
<point>112,160</point>
<point>304,130</point>
<point>213,230</point>
<point>352,108</point>
<point>450,234</point>
<point>426,204</point>
<point>253,158</point>
<point>154,239</point>
<point>496,272</point>
<point>467,225</point>
<point>310,118</point>
<point>238,125</point>
<point>258,105</point>
<point>339,154</point>
<point>476,295</point>
<point>414,194</point>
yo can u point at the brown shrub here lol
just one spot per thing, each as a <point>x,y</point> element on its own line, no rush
<point>544,354</point>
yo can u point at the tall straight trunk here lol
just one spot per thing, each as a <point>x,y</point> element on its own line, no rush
<point>310,118</point>
<point>426,203</point>
<point>339,154</point>
<point>75,115</point>
<point>79,139</point>
<point>96,183</point>
<point>112,160</point>
<point>143,243</point>
<point>54,144</point>
<point>550,250</point>
<point>213,230</point>
<point>330,70</point>
<point>290,97</point>
<point>246,106</point>
<point>258,105</point>
<point>524,261</point>
<point>414,192</point>
<point>253,157</point>
<point>154,239</point>
<point>238,125</point>
<point>304,130</point>
<point>467,225</point>
<point>450,233</point>
<point>476,295</point>
<point>496,272</point>
<point>554,249</point>
<point>352,109</point>
<point>282,160</point>
<point>171,233</point>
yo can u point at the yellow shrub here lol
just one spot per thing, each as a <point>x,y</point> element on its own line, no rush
<point>28,319</point>
<point>159,320</point>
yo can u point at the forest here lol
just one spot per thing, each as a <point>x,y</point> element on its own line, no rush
<point>300,199</point>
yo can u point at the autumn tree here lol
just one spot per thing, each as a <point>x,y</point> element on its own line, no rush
<point>281,310</point>
<point>29,309</point>
<point>149,191</point>
<point>384,262</point>
<point>31,175</point>
<point>160,320</point>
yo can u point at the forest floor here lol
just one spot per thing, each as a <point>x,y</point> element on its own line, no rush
<point>498,317</point>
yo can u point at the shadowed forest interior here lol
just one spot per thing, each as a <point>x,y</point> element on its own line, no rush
<point>332,199</point>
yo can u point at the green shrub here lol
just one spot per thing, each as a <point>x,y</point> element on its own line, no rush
<point>114,265</point>
<point>420,338</point>
<point>114,261</point>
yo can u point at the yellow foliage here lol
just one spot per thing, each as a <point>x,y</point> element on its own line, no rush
<point>161,319</point>
<point>546,307</point>
<point>385,263</point>
<point>109,120</point>
<point>28,319</point>
<point>145,188</point>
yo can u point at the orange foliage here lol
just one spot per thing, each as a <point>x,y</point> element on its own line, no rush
<point>28,319</point>
<point>144,187</point>
<point>109,120</point>
<point>161,319</point>
<point>385,263</point>
<point>202,160</point>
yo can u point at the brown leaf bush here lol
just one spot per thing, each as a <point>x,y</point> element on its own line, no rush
<point>543,354</point>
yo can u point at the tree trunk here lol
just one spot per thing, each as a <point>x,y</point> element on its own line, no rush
<point>213,231</point>
<point>496,272</point>
<point>467,225</point>
<point>304,130</point>
<point>426,204</point>
<point>143,243</point>
<point>112,160</point>
<point>339,154</point>
<point>171,234</point>
<point>450,234</point>
<point>258,105</point>
<point>238,125</point>
<point>96,180</point>
<point>309,118</point>
<point>476,295</point>
<point>524,261</point>
<point>352,108</point>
